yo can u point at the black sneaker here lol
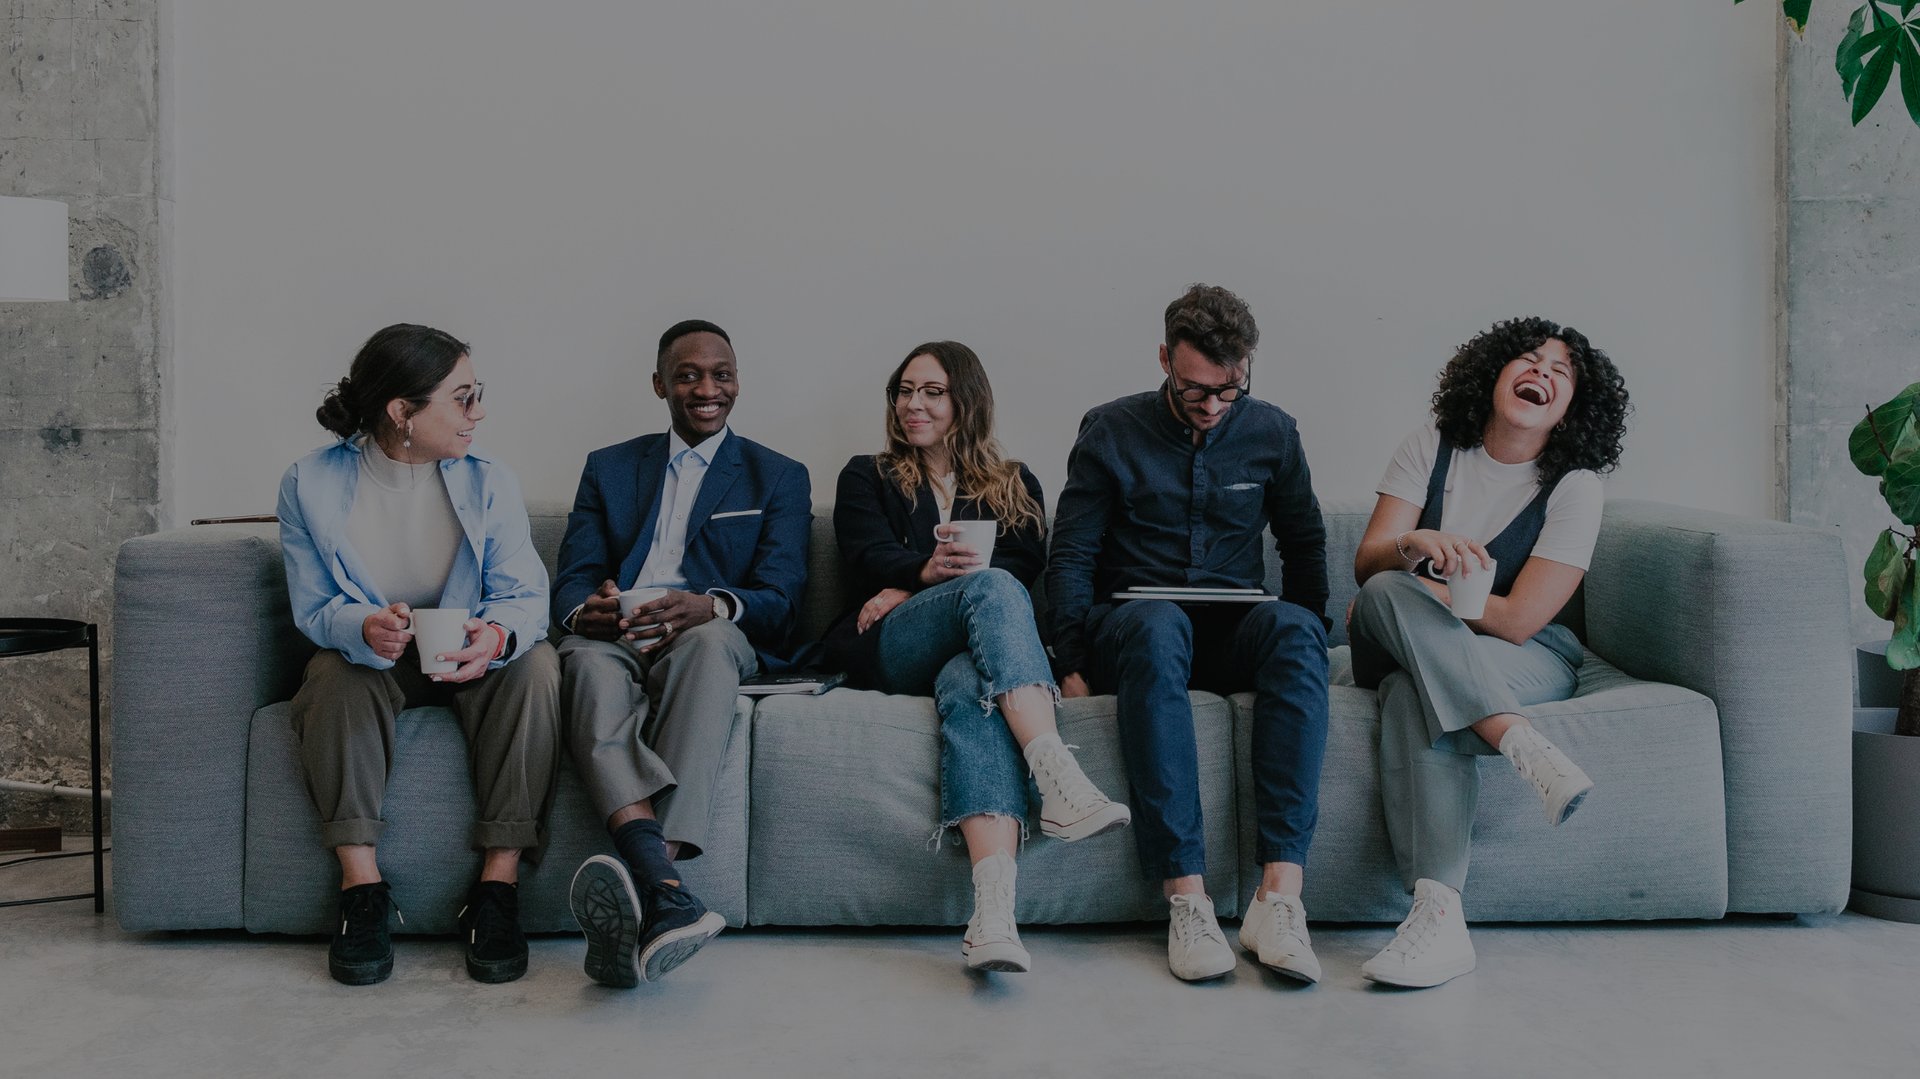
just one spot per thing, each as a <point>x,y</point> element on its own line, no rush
<point>362,951</point>
<point>496,948</point>
<point>677,925</point>
<point>608,910</point>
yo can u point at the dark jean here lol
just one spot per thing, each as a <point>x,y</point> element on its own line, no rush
<point>1149,652</point>
<point>970,640</point>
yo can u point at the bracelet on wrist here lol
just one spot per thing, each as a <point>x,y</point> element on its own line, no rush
<point>1400,548</point>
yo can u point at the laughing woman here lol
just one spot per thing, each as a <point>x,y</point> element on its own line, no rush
<point>1506,478</point>
<point>937,614</point>
<point>401,513</point>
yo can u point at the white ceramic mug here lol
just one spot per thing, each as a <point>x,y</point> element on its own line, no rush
<point>438,631</point>
<point>1468,587</point>
<point>978,535</point>
<point>637,597</point>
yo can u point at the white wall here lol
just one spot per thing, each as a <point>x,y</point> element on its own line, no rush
<point>1380,181</point>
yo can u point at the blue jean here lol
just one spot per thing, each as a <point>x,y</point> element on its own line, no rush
<point>1148,652</point>
<point>970,639</point>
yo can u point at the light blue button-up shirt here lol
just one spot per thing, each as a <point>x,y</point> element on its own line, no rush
<point>497,575</point>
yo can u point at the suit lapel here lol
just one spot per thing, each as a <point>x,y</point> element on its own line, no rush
<point>922,519</point>
<point>649,476</point>
<point>720,476</point>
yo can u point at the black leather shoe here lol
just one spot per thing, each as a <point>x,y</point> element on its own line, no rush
<point>362,951</point>
<point>677,925</point>
<point>496,948</point>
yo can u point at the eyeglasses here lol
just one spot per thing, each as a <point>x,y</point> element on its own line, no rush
<point>1193,395</point>
<point>900,393</point>
<point>466,402</point>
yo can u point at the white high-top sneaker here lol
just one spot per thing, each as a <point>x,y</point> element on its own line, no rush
<point>1431,946</point>
<point>1196,949</point>
<point>1275,931</point>
<point>1560,782</point>
<point>1071,807</point>
<point>993,941</point>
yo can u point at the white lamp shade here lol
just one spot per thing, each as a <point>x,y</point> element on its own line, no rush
<point>33,249</point>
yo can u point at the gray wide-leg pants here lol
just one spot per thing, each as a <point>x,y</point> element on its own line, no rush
<point>344,717</point>
<point>1436,677</point>
<point>655,725</point>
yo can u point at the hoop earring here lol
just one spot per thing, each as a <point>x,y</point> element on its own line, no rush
<point>407,443</point>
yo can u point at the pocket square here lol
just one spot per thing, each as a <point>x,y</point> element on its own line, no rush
<point>735,513</point>
<point>1243,486</point>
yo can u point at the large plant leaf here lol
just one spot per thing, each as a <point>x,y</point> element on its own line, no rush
<point>1903,652</point>
<point>1873,438</point>
<point>1797,13</point>
<point>1873,82</point>
<point>1901,487</point>
<point>1846,59</point>
<point>1887,572</point>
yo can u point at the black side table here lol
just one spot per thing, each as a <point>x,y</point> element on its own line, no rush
<point>31,636</point>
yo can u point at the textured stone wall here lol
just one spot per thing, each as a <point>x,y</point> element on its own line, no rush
<point>81,407</point>
<point>1851,289</point>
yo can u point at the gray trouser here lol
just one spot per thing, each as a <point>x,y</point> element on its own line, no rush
<point>344,717</point>
<point>1436,678</point>
<point>655,725</point>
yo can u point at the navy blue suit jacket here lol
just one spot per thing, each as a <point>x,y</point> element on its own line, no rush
<point>748,532</point>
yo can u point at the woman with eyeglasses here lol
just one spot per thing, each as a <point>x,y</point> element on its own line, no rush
<point>402,514</point>
<point>1503,483</point>
<point>935,613</point>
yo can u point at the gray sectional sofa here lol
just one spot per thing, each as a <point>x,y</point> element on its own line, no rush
<point>1712,714</point>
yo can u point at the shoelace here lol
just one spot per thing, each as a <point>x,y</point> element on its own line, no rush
<point>992,913</point>
<point>1529,763</point>
<point>1419,927</point>
<point>359,922</point>
<point>1190,924</point>
<point>1070,783</point>
<point>492,922</point>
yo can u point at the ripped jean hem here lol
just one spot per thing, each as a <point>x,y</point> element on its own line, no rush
<point>991,698</point>
<point>940,832</point>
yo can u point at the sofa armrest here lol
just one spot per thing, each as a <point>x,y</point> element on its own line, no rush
<point>203,636</point>
<point>1753,614</point>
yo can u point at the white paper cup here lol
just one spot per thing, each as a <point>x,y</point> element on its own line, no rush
<point>1469,586</point>
<point>636,597</point>
<point>978,535</point>
<point>438,631</point>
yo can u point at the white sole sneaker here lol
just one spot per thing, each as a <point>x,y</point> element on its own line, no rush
<point>676,946</point>
<point>1102,820</point>
<point>1425,978</point>
<point>1297,962</point>
<point>1003,956</point>
<point>608,910</point>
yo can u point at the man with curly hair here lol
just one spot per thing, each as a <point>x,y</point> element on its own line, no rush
<point>1504,481</point>
<point>1173,487</point>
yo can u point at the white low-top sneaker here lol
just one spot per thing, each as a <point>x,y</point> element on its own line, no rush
<point>1275,931</point>
<point>1560,782</point>
<point>993,940</point>
<point>1196,948</point>
<point>1071,807</point>
<point>1431,946</point>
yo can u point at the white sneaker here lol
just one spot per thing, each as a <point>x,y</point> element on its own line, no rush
<point>1561,783</point>
<point>1071,807</point>
<point>1275,931</point>
<point>1431,946</point>
<point>1196,949</point>
<point>993,941</point>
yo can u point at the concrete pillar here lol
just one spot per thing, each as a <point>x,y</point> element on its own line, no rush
<point>82,408</point>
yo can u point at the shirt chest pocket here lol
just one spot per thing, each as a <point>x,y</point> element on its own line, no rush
<point>735,517</point>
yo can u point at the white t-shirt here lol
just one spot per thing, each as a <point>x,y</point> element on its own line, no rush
<point>1484,496</point>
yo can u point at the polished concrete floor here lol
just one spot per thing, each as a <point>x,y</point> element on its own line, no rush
<point>1748,997</point>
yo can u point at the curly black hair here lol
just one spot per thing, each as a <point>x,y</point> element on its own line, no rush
<point>1587,437</point>
<point>1214,321</point>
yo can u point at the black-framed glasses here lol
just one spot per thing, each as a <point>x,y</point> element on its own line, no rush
<point>465,403</point>
<point>899,392</point>
<point>1193,395</point>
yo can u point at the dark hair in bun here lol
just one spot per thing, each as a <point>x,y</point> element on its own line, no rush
<point>403,361</point>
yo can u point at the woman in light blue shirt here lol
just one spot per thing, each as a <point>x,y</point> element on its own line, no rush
<point>402,514</point>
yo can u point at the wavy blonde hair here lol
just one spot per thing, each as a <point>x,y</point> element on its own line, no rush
<point>980,469</point>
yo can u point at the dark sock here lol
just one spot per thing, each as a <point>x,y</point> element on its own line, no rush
<point>644,848</point>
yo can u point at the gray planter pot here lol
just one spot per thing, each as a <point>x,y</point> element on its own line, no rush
<point>1886,818</point>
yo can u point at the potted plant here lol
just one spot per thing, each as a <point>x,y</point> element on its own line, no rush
<point>1886,742</point>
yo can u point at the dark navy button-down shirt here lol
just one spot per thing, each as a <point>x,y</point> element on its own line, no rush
<point>1144,506</point>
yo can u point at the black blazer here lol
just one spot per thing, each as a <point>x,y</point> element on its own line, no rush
<point>883,543</point>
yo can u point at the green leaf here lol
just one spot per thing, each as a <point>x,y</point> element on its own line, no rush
<point>1901,486</point>
<point>1910,74</point>
<point>1906,7</point>
<point>1903,652</point>
<point>1797,13</point>
<point>1886,572</point>
<point>1873,438</point>
<point>1906,445</point>
<point>1850,59</point>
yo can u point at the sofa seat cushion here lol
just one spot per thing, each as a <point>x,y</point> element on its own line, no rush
<point>1649,842</point>
<point>290,878</point>
<point>846,796</point>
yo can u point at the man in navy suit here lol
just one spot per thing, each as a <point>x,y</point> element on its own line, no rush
<point>720,523</point>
